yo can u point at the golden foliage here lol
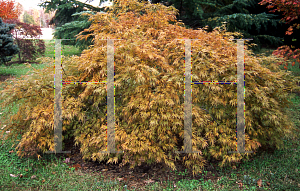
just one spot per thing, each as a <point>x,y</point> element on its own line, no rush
<point>149,86</point>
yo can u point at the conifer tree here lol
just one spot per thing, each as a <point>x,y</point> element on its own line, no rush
<point>244,16</point>
<point>65,9</point>
<point>71,29</point>
<point>7,47</point>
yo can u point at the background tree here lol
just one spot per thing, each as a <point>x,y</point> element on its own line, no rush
<point>290,9</point>
<point>244,16</point>
<point>291,12</point>
<point>28,18</point>
<point>35,15</point>
<point>7,48</point>
<point>9,9</point>
<point>47,17</point>
<point>68,20</point>
<point>71,29</point>
<point>65,9</point>
<point>30,49</point>
<point>43,19</point>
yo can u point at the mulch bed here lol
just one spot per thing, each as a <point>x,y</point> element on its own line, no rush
<point>5,77</point>
<point>134,178</point>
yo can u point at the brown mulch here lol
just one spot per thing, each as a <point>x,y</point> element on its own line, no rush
<point>5,77</point>
<point>139,176</point>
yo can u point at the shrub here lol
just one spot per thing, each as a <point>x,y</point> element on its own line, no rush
<point>30,49</point>
<point>149,74</point>
<point>7,48</point>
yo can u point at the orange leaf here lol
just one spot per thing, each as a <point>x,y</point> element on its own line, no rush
<point>240,185</point>
<point>149,181</point>
<point>76,166</point>
<point>285,67</point>
<point>259,183</point>
<point>10,10</point>
<point>67,160</point>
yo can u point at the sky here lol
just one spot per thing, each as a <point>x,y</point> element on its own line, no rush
<point>34,3</point>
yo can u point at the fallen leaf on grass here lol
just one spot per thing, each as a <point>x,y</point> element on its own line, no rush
<point>144,174</point>
<point>11,151</point>
<point>240,185</point>
<point>67,160</point>
<point>76,166</point>
<point>259,182</point>
<point>33,177</point>
<point>124,178</point>
<point>149,181</point>
<point>12,175</point>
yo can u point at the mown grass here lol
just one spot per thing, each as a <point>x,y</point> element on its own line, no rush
<point>18,70</point>
<point>278,171</point>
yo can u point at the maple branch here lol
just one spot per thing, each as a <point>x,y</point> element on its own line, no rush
<point>63,70</point>
<point>210,115</point>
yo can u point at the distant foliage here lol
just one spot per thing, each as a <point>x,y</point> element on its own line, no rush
<point>7,48</point>
<point>64,9</point>
<point>291,12</point>
<point>9,9</point>
<point>71,29</point>
<point>244,16</point>
<point>149,94</point>
<point>28,18</point>
<point>30,49</point>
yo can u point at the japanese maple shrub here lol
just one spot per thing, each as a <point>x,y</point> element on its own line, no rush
<point>149,94</point>
<point>31,48</point>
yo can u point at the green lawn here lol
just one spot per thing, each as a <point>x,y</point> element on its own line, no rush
<point>18,70</point>
<point>278,171</point>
